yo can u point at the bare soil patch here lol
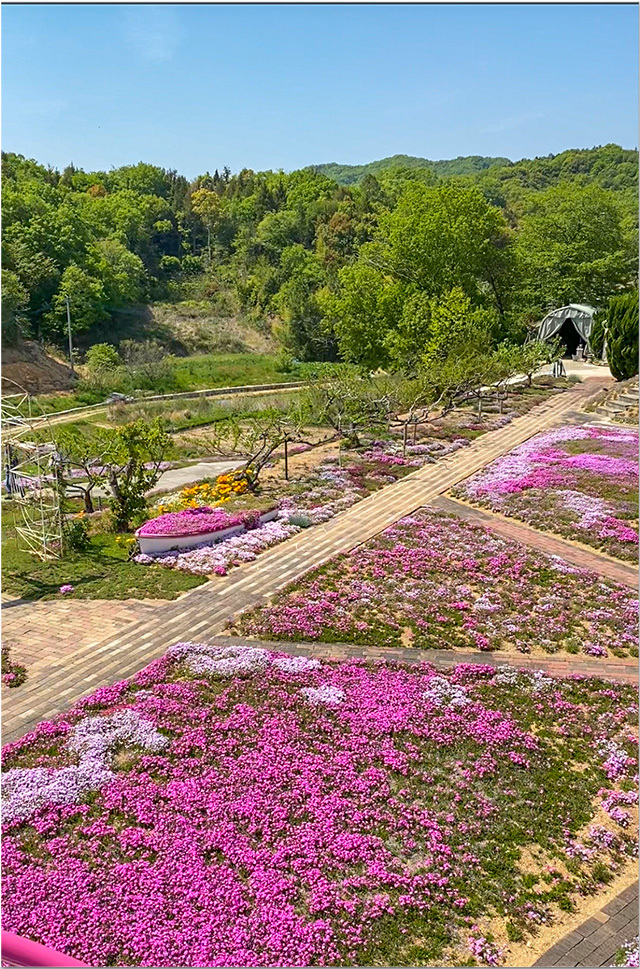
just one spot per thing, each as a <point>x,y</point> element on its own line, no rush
<point>27,365</point>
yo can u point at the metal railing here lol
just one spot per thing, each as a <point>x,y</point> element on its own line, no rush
<point>87,409</point>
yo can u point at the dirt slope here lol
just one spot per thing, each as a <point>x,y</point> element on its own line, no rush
<point>28,366</point>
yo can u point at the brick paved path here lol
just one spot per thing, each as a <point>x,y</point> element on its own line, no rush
<point>39,633</point>
<point>580,555</point>
<point>205,610</point>
<point>622,671</point>
<point>596,941</point>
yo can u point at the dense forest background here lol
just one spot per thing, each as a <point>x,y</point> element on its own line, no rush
<point>333,261</point>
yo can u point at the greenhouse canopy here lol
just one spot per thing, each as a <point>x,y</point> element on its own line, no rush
<point>576,317</point>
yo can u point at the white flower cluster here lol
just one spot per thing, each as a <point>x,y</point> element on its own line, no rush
<point>231,660</point>
<point>25,789</point>
<point>538,679</point>
<point>330,695</point>
<point>95,737</point>
<point>296,664</point>
<point>219,660</point>
<point>444,693</point>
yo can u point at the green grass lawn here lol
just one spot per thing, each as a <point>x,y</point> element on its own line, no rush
<point>202,372</point>
<point>227,370</point>
<point>101,572</point>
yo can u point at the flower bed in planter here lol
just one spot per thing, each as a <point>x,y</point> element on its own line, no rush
<point>217,557</point>
<point>195,526</point>
<point>435,581</point>
<point>580,482</point>
<point>231,806</point>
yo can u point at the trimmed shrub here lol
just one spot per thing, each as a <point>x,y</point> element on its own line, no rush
<point>622,335</point>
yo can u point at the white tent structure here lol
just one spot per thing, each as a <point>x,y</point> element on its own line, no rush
<point>571,323</point>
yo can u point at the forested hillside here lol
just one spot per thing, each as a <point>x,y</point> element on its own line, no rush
<point>609,166</point>
<point>357,271</point>
<point>463,165</point>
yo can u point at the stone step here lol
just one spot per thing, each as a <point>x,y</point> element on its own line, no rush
<point>608,411</point>
<point>617,407</point>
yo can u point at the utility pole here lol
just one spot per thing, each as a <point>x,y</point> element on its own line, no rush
<point>69,332</point>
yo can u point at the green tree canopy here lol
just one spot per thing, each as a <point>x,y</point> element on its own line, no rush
<point>87,302</point>
<point>571,247</point>
<point>353,268</point>
<point>102,358</point>
<point>444,237</point>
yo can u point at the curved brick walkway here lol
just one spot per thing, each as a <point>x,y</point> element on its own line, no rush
<point>205,610</point>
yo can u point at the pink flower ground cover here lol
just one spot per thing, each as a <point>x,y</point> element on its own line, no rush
<point>581,482</point>
<point>198,521</point>
<point>230,806</point>
<point>435,581</point>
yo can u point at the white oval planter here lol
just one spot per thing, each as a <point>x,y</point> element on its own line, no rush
<point>153,544</point>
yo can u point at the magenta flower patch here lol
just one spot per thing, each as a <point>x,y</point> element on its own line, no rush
<point>581,482</point>
<point>435,581</point>
<point>258,809</point>
<point>198,521</point>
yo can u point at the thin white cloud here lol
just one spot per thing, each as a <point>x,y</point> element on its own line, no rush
<point>152,32</point>
<point>513,122</point>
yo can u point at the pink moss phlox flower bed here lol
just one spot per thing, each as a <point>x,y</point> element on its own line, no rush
<point>218,558</point>
<point>435,581</point>
<point>232,806</point>
<point>581,482</point>
<point>198,521</point>
<point>334,490</point>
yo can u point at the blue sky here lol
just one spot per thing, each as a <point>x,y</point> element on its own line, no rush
<point>196,87</point>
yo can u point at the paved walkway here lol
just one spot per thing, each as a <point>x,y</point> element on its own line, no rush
<point>205,610</point>
<point>546,542</point>
<point>44,632</point>
<point>596,941</point>
<point>581,369</point>
<point>176,478</point>
<point>620,671</point>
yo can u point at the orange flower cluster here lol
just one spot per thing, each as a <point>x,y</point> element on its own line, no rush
<point>226,486</point>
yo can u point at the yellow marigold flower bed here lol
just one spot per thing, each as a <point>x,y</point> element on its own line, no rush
<point>226,486</point>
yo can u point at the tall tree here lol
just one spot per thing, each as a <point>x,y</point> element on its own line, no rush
<point>206,204</point>
<point>571,247</point>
